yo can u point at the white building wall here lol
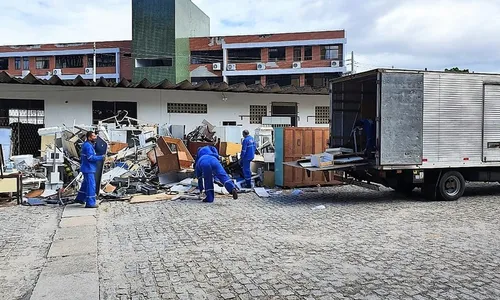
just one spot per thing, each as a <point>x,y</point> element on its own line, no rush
<point>69,105</point>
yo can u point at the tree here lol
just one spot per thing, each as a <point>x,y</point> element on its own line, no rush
<point>457,70</point>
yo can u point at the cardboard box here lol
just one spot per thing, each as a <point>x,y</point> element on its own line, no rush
<point>229,149</point>
<point>269,179</point>
<point>322,160</point>
<point>115,147</point>
<point>269,157</point>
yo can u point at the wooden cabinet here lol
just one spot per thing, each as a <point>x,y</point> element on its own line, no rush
<point>293,143</point>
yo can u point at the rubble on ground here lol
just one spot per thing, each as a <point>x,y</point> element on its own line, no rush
<point>145,162</point>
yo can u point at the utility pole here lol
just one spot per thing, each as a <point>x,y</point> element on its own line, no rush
<point>94,70</point>
<point>352,62</point>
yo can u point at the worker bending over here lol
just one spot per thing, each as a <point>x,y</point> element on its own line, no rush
<point>368,128</point>
<point>88,160</point>
<point>208,166</point>
<point>247,155</point>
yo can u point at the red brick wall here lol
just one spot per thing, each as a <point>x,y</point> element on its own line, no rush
<point>126,65</point>
<point>126,45</point>
<point>125,62</point>
<point>282,37</point>
<point>202,43</point>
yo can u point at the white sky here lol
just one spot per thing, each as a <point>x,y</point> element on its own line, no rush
<point>433,34</point>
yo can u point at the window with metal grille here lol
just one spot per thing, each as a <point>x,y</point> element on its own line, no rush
<point>26,116</point>
<point>256,113</point>
<point>4,63</point>
<point>17,63</point>
<point>103,60</point>
<point>330,52</point>
<point>42,62</point>
<point>297,53</point>
<point>187,108</point>
<point>69,61</point>
<point>26,63</point>
<point>322,114</point>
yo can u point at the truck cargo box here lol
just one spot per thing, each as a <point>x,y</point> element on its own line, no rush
<point>424,119</point>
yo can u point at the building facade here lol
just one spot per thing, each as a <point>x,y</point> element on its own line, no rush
<point>113,60</point>
<point>56,104</point>
<point>299,59</point>
<point>160,38</point>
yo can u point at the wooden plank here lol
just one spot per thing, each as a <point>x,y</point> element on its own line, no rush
<point>151,198</point>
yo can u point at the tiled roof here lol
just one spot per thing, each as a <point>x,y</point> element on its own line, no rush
<point>165,84</point>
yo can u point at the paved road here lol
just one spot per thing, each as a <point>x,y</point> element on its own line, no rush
<point>25,237</point>
<point>363,245</point>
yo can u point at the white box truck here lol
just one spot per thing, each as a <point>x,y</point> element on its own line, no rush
<point>434,130</point>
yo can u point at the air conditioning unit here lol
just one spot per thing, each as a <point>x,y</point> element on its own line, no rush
<point>217,66</point>
<point>261,66</point>
<point>297,65</point>
<point>57,72</point>
<point>89,71</point>
<point>335,64</point>
<point>231,67</point>
<point>25,73</point>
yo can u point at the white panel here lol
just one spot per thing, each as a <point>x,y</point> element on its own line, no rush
<point>453,108</point>
<point>491,123</point>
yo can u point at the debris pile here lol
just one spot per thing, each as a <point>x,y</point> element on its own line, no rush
<point>144,162</point>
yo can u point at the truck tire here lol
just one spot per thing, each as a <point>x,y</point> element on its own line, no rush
<point>451,186</point>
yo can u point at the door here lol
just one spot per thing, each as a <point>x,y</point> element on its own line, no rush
<point>491,123</point>
<point>285,109</point>
<point>401,118</point>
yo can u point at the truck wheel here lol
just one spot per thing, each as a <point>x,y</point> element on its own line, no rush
<point>451,186</point>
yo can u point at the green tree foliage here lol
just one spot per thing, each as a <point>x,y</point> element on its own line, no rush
<point>457,70</point>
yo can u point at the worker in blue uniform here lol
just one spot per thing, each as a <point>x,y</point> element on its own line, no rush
<point>88,160</point>
<point>247,155</point>
<point>368,128</point>
<point>208,166</point>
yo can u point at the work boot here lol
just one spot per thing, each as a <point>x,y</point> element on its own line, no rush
<point>79,201</point>
<point>207,201</point>
<point>92,206</point>
<point>235,194</point>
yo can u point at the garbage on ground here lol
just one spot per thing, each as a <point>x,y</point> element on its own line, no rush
<point>319,207</point>
<point>297,192</point>
<point>261,192</point>
<point>144,162</point>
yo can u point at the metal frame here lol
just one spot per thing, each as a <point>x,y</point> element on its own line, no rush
<point>483,124</point>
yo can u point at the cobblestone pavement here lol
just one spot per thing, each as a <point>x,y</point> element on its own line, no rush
<point>25,237</point>
<point>363,245</point>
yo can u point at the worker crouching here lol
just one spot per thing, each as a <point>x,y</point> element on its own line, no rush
<point>207,167</point>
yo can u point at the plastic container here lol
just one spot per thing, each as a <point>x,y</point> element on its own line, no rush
<point>17,159</point>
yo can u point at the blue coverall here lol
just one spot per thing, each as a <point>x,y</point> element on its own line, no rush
<point>247,155</point>
<point>207,166</point>
<point>88,157</point>
<point>369,129</point>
